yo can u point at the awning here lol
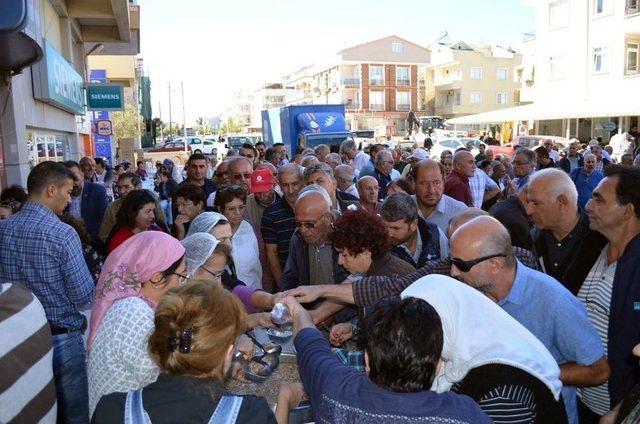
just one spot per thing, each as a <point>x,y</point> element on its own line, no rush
<point>537,112</point>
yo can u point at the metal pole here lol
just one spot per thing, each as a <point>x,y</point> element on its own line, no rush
<point>161,123</point>
<point>170,123</point>
<point>184,118</point>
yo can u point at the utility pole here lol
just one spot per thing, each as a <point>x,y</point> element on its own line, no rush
<point>170,123</point>
<point>184,119</point>
<point>161,123</point>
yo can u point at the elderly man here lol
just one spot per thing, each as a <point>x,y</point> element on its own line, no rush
<point>312,260</point>
<point>368,190</point>
<point>278,220</point>
<point>239,171</point>
<point>370,167</point>
<point>333,160</point>
<point>482,256</point>
<point>357,158</point>
<point>457,183</point>
<point>321,151</point>
<point>383,171</point>
<point>512,214</point>
<point>601,161</point>
<point>322,175</point>
<point>88,200</point>
<point>88,168</point>
<point>482,188</point>
<point>127,182</point>
<point>573,160</point>
<point>414,240</point>
<point>553,154</point>
<point>524,165</point>
<point>563,241</point>
<point>433,205</point>
<point>611,290</point>
<point>262,195</point>
<point>586,178</point>
<point>345,175</point>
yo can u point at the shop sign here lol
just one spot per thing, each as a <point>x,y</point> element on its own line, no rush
<point>609,126</point>
<point>104,127</point>
<point>105,97</point>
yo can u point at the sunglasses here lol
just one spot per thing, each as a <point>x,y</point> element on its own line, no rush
<point>465,266</point>
<point>307,224</point>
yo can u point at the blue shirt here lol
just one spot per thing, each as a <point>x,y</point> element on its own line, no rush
<point>45,254</point>
<point>277,227</point>
<point>585,184</point>
<point>558,319</point>
<point>339,394</point>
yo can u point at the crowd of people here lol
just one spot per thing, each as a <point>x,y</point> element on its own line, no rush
<point>471,288</point>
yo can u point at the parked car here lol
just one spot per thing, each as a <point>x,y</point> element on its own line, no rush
<point>453,144</point>
<point>213,147</point>
<point>533,141</point>
<point>171,146</point>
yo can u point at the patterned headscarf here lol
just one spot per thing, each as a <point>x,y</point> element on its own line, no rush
<point>127,267</point>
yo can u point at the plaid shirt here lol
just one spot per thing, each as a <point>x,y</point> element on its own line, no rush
<point>37,249</point>
<point>369,290</point>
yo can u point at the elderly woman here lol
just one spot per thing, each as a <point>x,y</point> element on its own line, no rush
<point>194,345</point>
<point>133,279</point>
<point>137,214</point>
<point>190,201</point>
<point>489,356</point>
<point>231,201</point>
<point>217,226</point>
<point>363,247</point>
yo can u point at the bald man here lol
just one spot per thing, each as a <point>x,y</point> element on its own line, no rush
<point>482,256</point>
<point>457,183</point>
<point>368,190</point>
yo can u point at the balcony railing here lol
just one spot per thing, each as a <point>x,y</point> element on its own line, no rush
<point>376,106</point>
<point>350,81</point>
<point>376,81</point>
<point>403,107</point>
<point>632,7</point>
<point>351,105</point>
<point>402,81</point>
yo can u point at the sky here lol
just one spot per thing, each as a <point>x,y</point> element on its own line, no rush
<point>218,47</point>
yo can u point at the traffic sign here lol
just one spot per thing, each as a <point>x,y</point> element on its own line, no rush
<point>104,127</point>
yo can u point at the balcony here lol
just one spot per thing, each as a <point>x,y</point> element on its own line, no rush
<point>403,107</point>
<point>376,106</point>
<point>350,81</point>
<point>632,7</point>
<point>403,82</point>
<point>376,81</point>
<point>352,105</point>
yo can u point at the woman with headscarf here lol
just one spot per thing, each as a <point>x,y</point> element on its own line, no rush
<point>490,357</point>
<point>206,259</point>
<point>133,279</point>
<point>217,225</point>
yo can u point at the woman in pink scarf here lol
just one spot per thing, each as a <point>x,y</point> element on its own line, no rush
<point>134,278</point>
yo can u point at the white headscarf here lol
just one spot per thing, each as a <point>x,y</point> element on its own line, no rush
<point>198,248</point>
<point>478,332</point>
<point>204,222</point>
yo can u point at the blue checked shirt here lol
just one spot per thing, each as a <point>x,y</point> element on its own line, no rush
<point>43,253</point>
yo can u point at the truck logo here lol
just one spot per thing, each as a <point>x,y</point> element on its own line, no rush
<point>330,120</point>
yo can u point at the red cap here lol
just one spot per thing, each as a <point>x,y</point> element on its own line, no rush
<point>261,180</point>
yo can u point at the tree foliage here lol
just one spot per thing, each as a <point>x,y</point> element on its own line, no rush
<point>231,126</point>
<point>126,123</point>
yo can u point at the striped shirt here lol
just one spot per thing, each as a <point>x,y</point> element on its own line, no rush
<point>595,295</point>
<point>27,389</point>
<point>278,225</point>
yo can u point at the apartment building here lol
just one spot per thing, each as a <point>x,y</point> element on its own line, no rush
<point>45,116</point>
<point>247,106</point>
<point>377,82</point>
<point>463,79</point>
<point>587,66</point>
<point>299,85</point>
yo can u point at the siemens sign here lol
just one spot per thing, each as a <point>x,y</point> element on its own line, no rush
<point>105,97</point>
<point>56,82</point>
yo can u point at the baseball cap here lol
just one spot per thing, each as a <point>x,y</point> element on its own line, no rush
<point>261,180</point>
<point>419,154</point>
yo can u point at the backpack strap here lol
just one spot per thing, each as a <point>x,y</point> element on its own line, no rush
<point>134,412</point>
<point>227,410</point>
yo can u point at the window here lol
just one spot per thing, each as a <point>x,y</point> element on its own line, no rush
<point>558,14</point>
<point>501,98</point>
<point>403,100</point>
<point>476,73</point>
<point>600,59</point>
<point>475,97</point>
<point>557,67</point>
<point>601,7</point>
<point>402,76</point>
<point>376,100</point>
<point>375,75</point>
<point>502,73</point>
<point>397,47</point>
<point>633,58</point>
<point>632,7</point>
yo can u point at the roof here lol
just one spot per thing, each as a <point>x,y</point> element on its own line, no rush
<point>380,39</point>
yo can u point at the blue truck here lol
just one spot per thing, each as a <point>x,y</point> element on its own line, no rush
<point>302,126</point>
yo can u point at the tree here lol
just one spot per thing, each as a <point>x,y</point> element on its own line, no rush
<point>231,126</point>
<point>127,123</point>
<point>202,127</point>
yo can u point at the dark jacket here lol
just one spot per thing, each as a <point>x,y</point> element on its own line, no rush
<point>565,164</point>
<point>430,245</point>
<point>346,199</point>
<point>296,270</point>
<point>513,216</point>
<point>92,207</point>
<point>624,323</point>
<point>383,182</point>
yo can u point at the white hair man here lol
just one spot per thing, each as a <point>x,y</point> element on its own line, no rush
<point>345,176</point>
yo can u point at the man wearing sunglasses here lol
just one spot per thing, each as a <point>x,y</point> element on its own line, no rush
<point>482,256</point>
<point>239,172</point>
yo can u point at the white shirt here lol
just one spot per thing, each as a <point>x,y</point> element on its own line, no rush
<point>352,190</point>
<point>119,359</point>
<point>553,154</point>
<point>479,184</point>
<point>360,160</point>
<point>245,256</point>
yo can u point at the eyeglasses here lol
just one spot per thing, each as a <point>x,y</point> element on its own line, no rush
<point>235,209</point>
<point>238,177</point>
<point>307,224</point>
<point>217,275</point>
<point>183,278</point>
<point>465,266</point>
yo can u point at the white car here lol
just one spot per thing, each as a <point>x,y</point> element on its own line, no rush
<point>211,146</point>
<point>453,144</point>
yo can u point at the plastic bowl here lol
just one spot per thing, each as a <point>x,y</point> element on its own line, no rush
<point>279,335</point>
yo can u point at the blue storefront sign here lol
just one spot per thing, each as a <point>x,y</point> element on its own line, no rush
<point>103,143</point>
<point>57,83</point>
